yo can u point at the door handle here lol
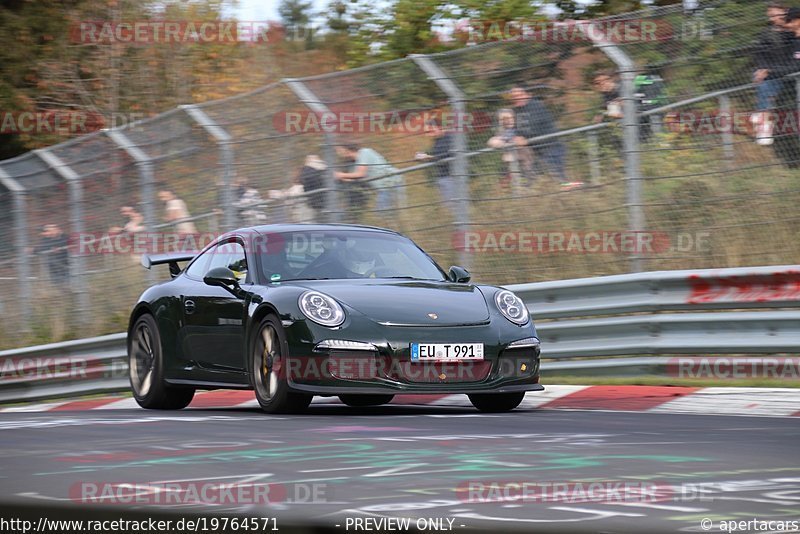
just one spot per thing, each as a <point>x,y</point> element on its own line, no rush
<point>188,305</point>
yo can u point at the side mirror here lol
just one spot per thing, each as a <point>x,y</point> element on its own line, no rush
<point>459,275</point>
<point>222,277</point>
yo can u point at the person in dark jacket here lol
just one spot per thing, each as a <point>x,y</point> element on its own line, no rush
<point>312,178</point>
<point>53,247</point>
<point>773,54</point>
<point>441,150</point>
<point>533,119</point>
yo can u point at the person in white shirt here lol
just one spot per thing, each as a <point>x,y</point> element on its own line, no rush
<point>175,211</point>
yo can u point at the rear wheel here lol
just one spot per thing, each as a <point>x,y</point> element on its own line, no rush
<point>270,369</point>
<point>496,402</point>
<point>361,401</point>
<point>146,369</point>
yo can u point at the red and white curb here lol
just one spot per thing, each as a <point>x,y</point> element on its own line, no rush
<point>654,399</point>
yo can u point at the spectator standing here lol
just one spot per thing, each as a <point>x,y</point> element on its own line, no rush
<point>53,247</point>
<point>312,178</point>
<point>773,53</point>
<point>176,210</point>
<point>134,224</point>
<point>248,205</point>
<point>650,93</point>
<point>373,168</point>
<point>534,120</point>
<point>607,86</point>
<point>517,159</point>
<point>355,191</point>
<point>440,150</point>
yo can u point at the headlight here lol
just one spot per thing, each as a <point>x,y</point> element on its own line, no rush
<point>321,308</point>
<point>511,306</point>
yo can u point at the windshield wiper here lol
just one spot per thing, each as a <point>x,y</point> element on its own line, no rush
<point>300,279</point>
<point>412,278</point>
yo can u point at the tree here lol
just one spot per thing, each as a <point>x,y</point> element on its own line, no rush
<point>410,28</point>
<point>497,10</point>
<point>295,16</point>
<point>337,21</point>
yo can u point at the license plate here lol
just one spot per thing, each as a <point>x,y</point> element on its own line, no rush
<point>438,352</point>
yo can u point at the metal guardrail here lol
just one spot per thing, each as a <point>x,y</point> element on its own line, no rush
<point>751,310</point>
<point>66,369</point>
<point>691,290</point>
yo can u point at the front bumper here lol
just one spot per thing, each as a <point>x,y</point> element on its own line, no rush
<point>388,369</point>
<point>385,389</point>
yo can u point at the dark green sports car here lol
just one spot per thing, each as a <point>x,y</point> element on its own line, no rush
<point>293,311</point>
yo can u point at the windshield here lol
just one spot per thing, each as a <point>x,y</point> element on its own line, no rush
<point>343,254</point>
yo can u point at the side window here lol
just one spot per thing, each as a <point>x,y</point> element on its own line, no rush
<point>198,267</point>
<point>231,256</point>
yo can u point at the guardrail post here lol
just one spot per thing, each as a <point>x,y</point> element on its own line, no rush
<point>459,167</point>
<point>305,95</point>
<point>77,265</point>
<point>21,244</point>
<point>727,133</point>
<point>630,123</point>
<point>145,165</point>
<point>223,140</point>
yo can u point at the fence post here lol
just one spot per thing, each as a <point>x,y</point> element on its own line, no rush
<point>77,264</point>
<point>223,140</point>
<point>146,176</point>
<point>312,102</point>
<point>459,167</point>
<point>594,156</point>
<point>630,122</point>
<point>797,96</point>
<point>21,244</point>
<point>727,133</point>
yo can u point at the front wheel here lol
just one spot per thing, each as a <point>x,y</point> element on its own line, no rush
<point>270,370</point>
<point>496,402</point>
<point>146,369</point>
<point>362,401</point>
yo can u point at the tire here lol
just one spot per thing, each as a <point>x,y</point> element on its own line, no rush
<point>146,369</point>
<point>268,369</point>
<point>362,401</point>
<point>496,402</point>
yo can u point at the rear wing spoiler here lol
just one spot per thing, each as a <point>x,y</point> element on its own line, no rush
<point>148,260</point>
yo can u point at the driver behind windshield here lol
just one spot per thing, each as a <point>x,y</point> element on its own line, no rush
<point>346,260</point>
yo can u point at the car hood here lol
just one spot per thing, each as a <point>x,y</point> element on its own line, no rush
<point>411,302</point>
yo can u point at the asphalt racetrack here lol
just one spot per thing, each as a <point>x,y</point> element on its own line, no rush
<point>451,466</point>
